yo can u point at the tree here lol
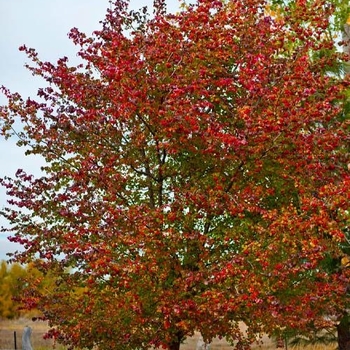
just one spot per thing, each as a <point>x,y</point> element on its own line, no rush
<point>12,284</point>
<point>196,176</point>
<point>7,286</point>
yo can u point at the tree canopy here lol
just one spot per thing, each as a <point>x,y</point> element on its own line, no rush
<point>196,176</point>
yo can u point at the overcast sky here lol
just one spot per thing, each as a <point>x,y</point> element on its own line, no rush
<point>43,25</point>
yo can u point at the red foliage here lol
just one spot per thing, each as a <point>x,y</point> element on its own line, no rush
<point>196,176</point>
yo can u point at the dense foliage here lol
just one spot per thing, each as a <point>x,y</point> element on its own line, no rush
<point>197,176</point>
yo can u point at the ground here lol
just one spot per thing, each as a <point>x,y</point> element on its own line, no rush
<point>9,329</point>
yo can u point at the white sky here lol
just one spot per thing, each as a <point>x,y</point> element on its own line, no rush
<point>43,25</point>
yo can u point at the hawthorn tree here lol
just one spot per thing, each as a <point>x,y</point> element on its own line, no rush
<point>196,176</point>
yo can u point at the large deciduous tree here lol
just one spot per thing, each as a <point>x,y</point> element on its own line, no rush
<point>196,176</point>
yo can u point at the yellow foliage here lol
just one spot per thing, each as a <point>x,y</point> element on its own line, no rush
<point>348,21</point>
<point>345,261</point>
<point>273,12</point>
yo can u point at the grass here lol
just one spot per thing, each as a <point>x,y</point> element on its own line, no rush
<point>11,328</point>
<point>8,327</point>
<point>267,344</point>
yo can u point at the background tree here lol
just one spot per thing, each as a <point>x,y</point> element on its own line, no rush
<point>8,287</point>
<point>196,176</point>
<point>14,280</point>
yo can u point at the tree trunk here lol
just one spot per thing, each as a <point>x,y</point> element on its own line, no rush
<point>175,345</point>
<point>343,330</point>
